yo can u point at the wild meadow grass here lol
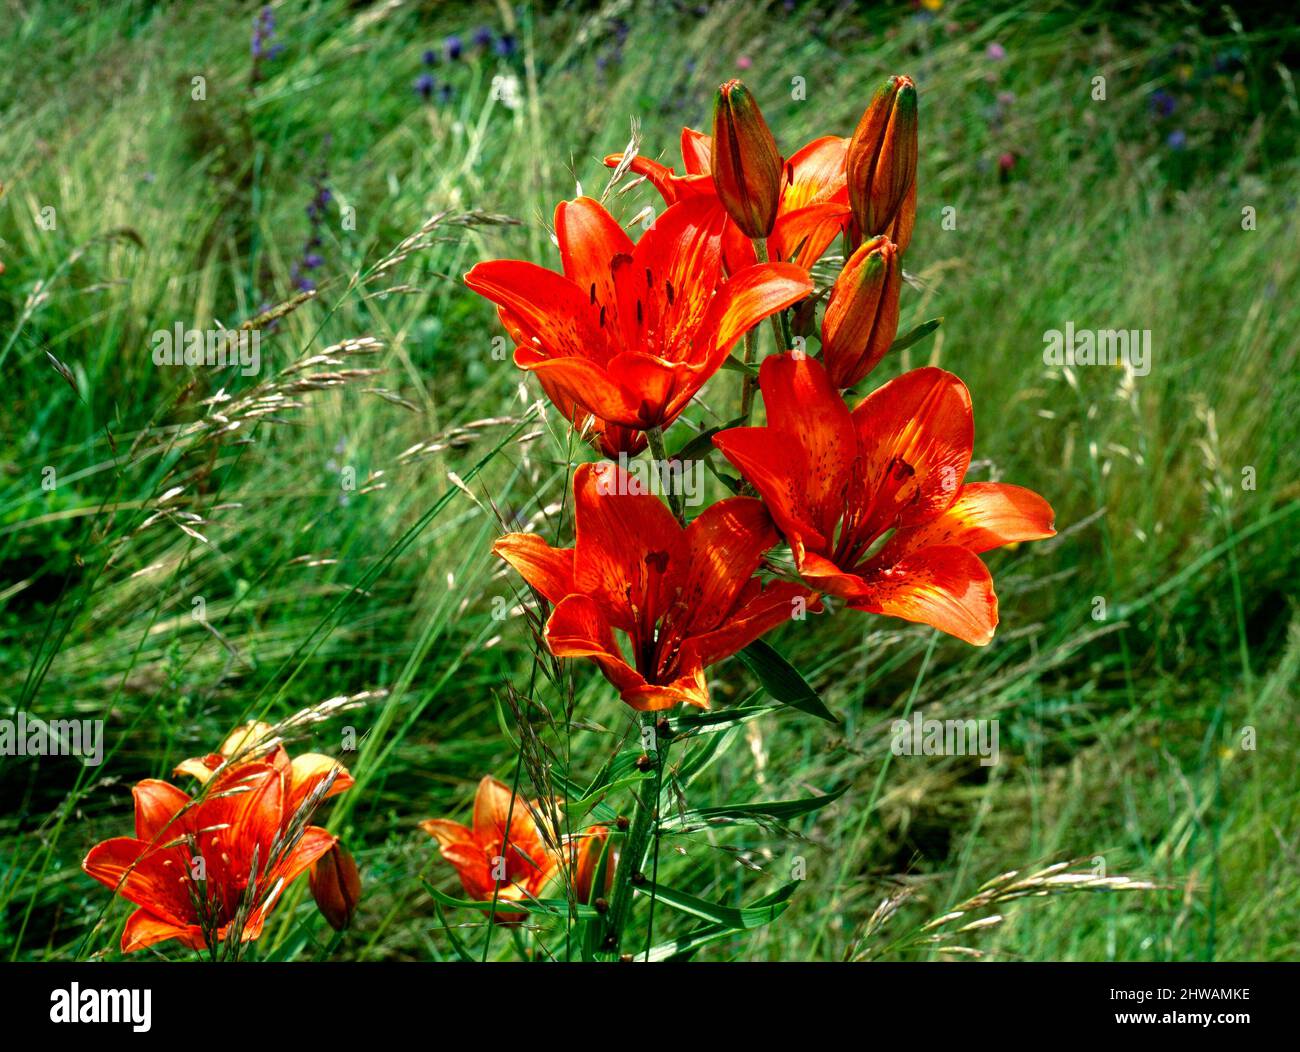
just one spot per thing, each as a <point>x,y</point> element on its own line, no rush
<point>1144,671</point>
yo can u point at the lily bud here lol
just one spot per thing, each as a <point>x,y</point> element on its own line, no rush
<point>881,163</point>
<point>861,318</point>
<point>336,886</point>
<point>746,162</point>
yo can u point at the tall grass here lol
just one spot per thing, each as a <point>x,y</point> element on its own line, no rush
<point>1144,671</point>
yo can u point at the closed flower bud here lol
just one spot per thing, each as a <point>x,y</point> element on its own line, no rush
<point>746,162</point>
<point>336,886</point>
<point>881,163</point>
<point>861,318</point>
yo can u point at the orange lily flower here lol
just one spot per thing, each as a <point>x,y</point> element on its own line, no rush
<point>684,597</point>
<point>836,482</point>
<point>196,867</point>
<point>813,207</point>
<point>256,741</point>
<point>587,852</point>
<point>515,861</point>
<point>630,333</point>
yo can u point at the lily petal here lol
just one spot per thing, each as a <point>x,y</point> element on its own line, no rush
<point>769,607</point>
<point>555,315</point>
<point>624,541</point>
<point>947,587</point>
<point>918,428</point>
<point>143,930</point>
<point>726,543</point>
<point>156,804</point>
<point>549,570</point>
<point>154,879</point>
<point>985,515</point>
<point>590,238</point>
<point>309,770</point>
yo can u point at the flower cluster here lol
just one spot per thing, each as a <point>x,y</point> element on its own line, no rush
<point>207,869</point>
<point>511,853</point>
<point>262,46</point>
<point>483,41</point>
<point>311,259</point>
<point>871,501</point>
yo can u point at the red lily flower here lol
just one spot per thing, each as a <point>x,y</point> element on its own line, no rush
<point>204,871</point>
<point>814,204</point>
<point>836,482</point>
<point>256,742</point>
<point>515,862</point>
<point>685,597</point>
<point>630,333</point>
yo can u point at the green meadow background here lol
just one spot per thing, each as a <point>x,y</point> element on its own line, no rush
<point>1144,672</point>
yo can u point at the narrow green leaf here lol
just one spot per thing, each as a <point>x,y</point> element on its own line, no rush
<point>540,907</point>
<point>781,810</point>
<point>684,947</point>
<point>730,481</point>
<point>916,335</point>
<point>735,365</point>
<point>736,918</point>
<point>783,681</point>
<point>701,445</point>
<point>457,943</point>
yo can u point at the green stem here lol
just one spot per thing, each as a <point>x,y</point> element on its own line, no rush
<point>778,319</point>
<point>644,817</point>
<point>750,382</point>
<point>660,455</point>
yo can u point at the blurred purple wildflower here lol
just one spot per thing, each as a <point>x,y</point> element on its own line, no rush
<point>311,258</point>
<point>1162,103</point>
<point>261,46</point>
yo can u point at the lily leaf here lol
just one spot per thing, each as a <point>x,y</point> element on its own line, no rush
<point>783,681</point>
<point>780,810</point>
<point>736,918</point>
<point>730,481</point>
<point>684,947</point>
<point>457,943</point>
<point>701,445</point>
<point>707,720</point>
<point>915,335</point>
<point>737,366</point>
<point>541,907</point>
